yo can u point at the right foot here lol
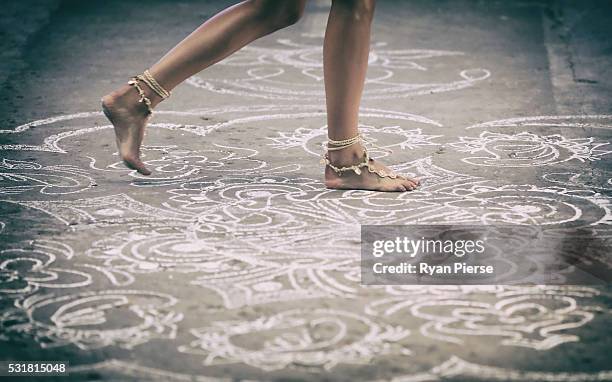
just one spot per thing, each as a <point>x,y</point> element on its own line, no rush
<point>129,118</point>
<point>367,180</point>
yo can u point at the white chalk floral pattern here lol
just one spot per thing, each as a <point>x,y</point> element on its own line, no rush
<point>317,338</point>
<point>294,71</point>
<point>234,252</point>
<point>384,138</point>
<point>26,268</point>
<point>528,150</point>
<point>93,320</point>
<point>21,177</point>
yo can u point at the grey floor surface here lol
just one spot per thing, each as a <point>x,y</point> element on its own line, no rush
<point>232,261</point>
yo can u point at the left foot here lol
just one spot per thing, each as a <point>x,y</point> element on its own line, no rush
<point>129,118</point>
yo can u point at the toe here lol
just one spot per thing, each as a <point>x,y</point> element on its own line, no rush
<point>409,185</point>
<point>413,182</point>
<point>392,187</point>
<point>136,164</point>
<point>143,170</point>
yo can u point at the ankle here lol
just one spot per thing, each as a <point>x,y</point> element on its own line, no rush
<point>127,97</point>
<point>129,92</point>
<point>347,156</point>
<point>152,95</point>
<point>142,91</point>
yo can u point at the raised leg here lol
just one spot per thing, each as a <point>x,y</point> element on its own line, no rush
<point>217,38</point>
<point>345,59</point>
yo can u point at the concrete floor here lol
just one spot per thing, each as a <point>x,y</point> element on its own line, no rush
<point>232,261</point>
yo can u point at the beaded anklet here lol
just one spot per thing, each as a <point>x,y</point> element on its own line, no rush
<point>148,79</point>
<point>333,145</point>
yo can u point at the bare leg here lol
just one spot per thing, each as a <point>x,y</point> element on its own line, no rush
<point>345,58</point>
<point>217,38</point>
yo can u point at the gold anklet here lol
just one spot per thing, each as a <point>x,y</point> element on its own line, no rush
<point>143,97</point>
<point>339,145</point>
<point>333,145</point>
<point>148,79</point>
<point>356,168</point>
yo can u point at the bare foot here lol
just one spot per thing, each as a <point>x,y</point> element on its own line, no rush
<point>366,180</point>
<point>129,118</point>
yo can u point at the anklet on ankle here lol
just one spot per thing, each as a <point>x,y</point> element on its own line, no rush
<point>143,97</point>
<point>333,145</point>
<point>148,79</point>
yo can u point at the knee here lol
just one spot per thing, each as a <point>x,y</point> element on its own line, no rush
<point>359,9</point>
<point>278,14</point>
